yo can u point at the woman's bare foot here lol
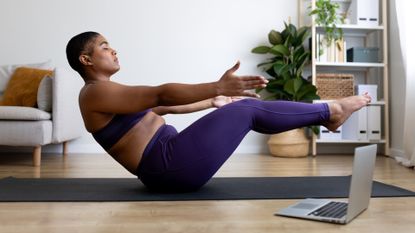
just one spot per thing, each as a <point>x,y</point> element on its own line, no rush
<point>341,109</point>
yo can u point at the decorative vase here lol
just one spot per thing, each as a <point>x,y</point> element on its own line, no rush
<point>292,143</point>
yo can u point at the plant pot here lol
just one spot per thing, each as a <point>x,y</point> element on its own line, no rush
<point>293,143</point>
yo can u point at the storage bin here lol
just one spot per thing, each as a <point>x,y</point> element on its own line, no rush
<point>332,86</point>
<point>326,134</point>
<point>363,54</point>
<point>372,90</point>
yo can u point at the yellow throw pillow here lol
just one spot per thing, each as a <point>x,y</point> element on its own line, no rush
<point>22,87</point>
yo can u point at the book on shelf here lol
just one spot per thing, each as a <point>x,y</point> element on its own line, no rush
<point>333,52</point>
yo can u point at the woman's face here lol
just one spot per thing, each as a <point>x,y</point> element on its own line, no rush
<point>103,58</point>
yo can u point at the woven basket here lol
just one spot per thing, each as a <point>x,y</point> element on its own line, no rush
<point>334,86</point>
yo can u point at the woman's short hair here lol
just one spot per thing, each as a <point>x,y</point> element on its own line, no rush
<point>78,46</point>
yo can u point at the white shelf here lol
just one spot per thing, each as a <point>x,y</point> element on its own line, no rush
<point>354,30</point>
<point>377,103</point>
<point>360,27</point>
<point>350,141</point>
<point>350,64</point>
<point>341,1</point>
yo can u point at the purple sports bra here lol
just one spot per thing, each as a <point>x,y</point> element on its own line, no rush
<point>119,125</point>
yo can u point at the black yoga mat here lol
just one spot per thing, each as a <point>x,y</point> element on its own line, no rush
<point>232,188</point>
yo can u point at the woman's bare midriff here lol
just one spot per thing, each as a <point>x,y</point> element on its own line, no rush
<point>129,149</point>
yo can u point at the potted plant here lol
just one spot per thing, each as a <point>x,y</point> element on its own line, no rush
<point>284,66</point>
<point>327,16</point>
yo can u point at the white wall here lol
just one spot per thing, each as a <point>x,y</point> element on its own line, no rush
<point>158,41</point>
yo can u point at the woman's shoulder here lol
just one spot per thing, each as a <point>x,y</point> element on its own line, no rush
<point>101,96</point>
<point>91,92</point>
<point>96,89</point>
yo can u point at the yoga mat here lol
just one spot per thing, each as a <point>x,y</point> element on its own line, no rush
<point>232,188</point>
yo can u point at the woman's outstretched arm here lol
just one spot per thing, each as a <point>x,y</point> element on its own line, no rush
<point>216,102</point>
<point>116,98</point>
<point>182,109</point>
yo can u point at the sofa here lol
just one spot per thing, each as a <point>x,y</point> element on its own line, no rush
<point>57,121</point>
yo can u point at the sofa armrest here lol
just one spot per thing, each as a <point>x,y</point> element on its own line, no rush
<point>66,117</point>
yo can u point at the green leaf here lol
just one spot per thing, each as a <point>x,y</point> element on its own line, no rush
<point>266,66</point>
<point>297,84</point>
<point>285,32</point>
<point>302,60</point>
<point>279,94</point>
<point>261,49</point>
<point>309,93</point>
<point>274,89</point>
<point>286,76</point>
<point>310,98</point>
<point>303,34</point>
<point>271,97</point>
<point>280,50</point>
<point>275,83</point>
<point>315,129</point>
<point>271,72</point>
<point>313,12</point>
<point>291,68</point>
<point>288,41</point>
<point>280,69</point>
<point>289,87</point>
<point>293,30</point>
<point>306,90</point>
<point>275,37</point>
<point>298,52</point>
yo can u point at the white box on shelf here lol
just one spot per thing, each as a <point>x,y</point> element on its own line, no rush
<point>355,128</point>
<point>372,90</point>
<point>373,123</point>
<point>364,12</point>
<point>326,134</point>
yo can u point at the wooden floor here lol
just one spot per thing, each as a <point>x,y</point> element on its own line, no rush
<point>384,214</point>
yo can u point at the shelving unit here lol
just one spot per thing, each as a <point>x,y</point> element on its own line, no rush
<point>377,70</point>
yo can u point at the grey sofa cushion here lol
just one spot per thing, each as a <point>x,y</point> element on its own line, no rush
<point>25,133</point>
<point>23,113</point>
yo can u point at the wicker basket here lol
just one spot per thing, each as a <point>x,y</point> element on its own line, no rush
<point>334,86</point>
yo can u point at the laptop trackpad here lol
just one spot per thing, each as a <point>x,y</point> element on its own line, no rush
<point>303,207</point>
<point>307,206</point>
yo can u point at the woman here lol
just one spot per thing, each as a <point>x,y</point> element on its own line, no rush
<point>126,120</point>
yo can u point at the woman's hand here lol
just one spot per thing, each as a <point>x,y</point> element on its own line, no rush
<point>231,84</point>
<point>220,101</point>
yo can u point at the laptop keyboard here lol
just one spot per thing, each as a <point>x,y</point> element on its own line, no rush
<point>331,210</point>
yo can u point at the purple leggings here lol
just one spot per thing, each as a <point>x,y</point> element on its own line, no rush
<point>185,161</point>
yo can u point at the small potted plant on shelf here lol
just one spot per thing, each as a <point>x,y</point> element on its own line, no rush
<point>286,82</point>
<point>327,16</point>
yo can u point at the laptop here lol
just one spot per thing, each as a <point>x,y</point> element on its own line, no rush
<point>359,194</point>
